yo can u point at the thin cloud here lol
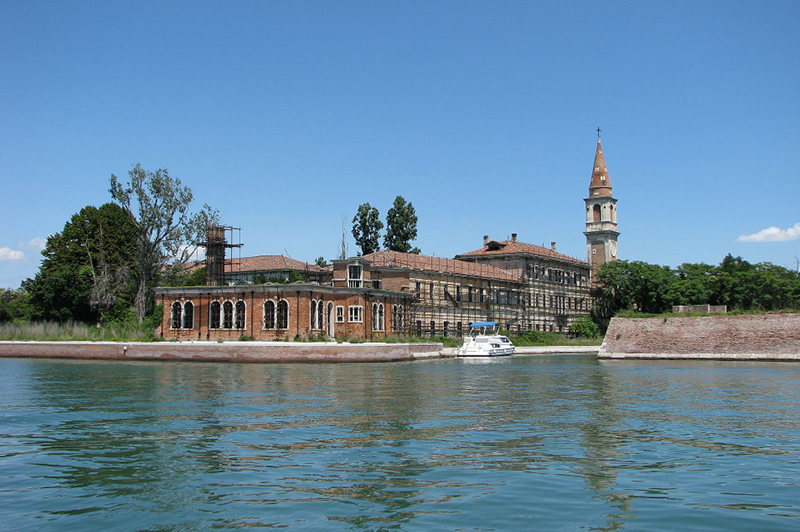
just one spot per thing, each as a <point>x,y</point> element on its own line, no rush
<point>11,255</point>
<point>36,244</point>
<point>773,234</point>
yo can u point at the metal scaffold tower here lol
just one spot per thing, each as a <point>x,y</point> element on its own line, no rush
<point>216,243</point>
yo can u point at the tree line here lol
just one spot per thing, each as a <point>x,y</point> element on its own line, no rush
<point>735,283</point>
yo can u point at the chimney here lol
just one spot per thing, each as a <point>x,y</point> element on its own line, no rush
<point>553,246</point>
<point>513,237</point>
<point>485,240</point>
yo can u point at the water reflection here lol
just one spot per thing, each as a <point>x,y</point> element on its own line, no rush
<point>559,443</point>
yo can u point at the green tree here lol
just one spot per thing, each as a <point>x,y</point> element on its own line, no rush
<point>692,285</point>
<point>401,227</point>
<point>321,262</point>
<point>14,305</point>
<point>366,228</point>
<point>166,230</point>
<point>635,285</point>
<point>86,267</point>
<point>62,293</point>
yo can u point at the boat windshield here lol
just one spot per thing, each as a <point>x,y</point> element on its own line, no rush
<point>483,328</point>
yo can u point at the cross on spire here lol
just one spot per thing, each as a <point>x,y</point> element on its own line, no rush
<point>598,132</point>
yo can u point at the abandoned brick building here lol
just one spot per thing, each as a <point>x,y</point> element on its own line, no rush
<point>521,286</point>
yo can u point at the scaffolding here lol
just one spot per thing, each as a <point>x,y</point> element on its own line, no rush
<point>216,243</point>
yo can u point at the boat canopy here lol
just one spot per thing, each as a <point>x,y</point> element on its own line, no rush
<point>484,324</point>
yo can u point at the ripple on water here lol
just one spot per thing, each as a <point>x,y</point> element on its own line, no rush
<point>556,443</point>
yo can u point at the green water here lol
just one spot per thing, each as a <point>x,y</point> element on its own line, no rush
<point>520,443</point>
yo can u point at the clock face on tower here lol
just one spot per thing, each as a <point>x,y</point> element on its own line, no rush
<point>613,248</point>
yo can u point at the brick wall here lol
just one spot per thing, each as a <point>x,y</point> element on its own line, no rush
<point>715,336</point>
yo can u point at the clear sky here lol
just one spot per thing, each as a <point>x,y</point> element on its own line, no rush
<point>285,116</point>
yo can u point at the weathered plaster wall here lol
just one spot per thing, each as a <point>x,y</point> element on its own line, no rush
<point>747,337</point>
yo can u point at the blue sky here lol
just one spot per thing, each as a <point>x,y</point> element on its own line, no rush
<point>285,116</point>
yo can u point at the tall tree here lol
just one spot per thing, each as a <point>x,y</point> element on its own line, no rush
<point>366,228</point>
<point>166,230</point>
<point>401,227</point>
<point>86,266</point>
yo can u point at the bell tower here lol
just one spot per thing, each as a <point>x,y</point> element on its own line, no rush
<point>601,216</point>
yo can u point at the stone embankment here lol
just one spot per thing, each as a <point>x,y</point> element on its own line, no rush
<point>223,352</point>
<point>746,337</point>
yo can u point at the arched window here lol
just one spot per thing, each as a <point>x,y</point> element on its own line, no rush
<point>596,213</point>
<point>213,315</point>
<point>317,314</point>
<point>378,317</point>
<point>269,314</point>
<point>283,314</point>
<point>313,314</point>
<point>227,315</point>
<point>176,315</point>
<point>241,314</point>
<point>188,315</point>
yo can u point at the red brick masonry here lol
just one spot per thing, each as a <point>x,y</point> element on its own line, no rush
<point>747,337</point>
<point>223,352</point>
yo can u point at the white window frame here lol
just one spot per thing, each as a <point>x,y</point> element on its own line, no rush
<point>378,317</point>
<point>355,282</point>
<point>355,314</point>
<point>339,314</point>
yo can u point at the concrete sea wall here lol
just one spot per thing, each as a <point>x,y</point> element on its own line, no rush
<point>746,337</point>
<point>223,352</point>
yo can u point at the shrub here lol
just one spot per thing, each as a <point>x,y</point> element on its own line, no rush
<point>584,328</point>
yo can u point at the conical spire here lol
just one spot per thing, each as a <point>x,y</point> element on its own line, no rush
<point>601,185</point>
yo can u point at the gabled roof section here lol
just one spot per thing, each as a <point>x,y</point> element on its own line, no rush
<point>266,263</point>
<point>496,248</point>
<point>396,259</point>
<point>600,185</point>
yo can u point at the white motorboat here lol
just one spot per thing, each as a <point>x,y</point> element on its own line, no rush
<point>484,341</point>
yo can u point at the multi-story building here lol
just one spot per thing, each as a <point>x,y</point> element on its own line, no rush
<point>556,287</point>
<point>521,286</point>
<point>449,294</point>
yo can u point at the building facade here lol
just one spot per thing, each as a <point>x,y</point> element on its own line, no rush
<point>448,294</point>
<point>521,286</point>
<point>556,287</point>
<point>306,310</point>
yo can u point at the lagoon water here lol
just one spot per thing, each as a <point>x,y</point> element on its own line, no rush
<point>521,443</point>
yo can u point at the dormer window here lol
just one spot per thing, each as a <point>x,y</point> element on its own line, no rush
<point>355,277</point>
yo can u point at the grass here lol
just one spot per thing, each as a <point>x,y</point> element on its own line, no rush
<point>47,331</point>
<point>538,338</point>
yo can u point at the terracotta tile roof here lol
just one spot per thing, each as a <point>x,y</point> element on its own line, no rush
<point>261,263</point>
<point>509,247</point>
<point>601,184</point>
<point>396,259</point>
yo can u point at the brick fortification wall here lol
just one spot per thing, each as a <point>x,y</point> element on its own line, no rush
<point>748,337</point>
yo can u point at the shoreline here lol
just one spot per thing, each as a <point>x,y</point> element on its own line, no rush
<point>251,351</point>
